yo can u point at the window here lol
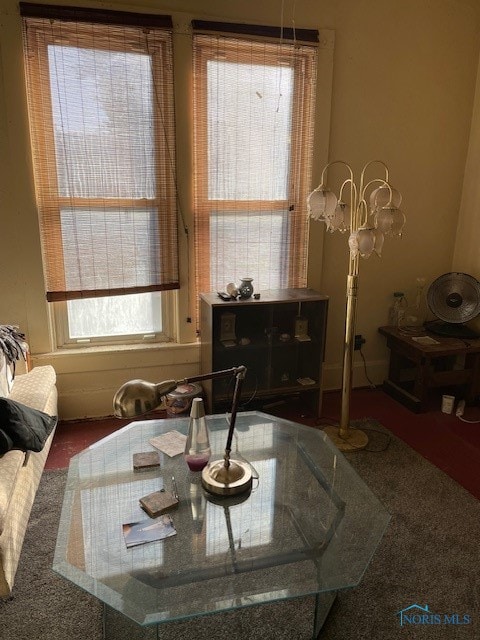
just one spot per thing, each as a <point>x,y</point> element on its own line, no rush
<point>253,119</point>
<point>100,95</point>
<point>101,108</point>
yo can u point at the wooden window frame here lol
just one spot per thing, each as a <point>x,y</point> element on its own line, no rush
<point>42,130</point>
<point>304,67</point>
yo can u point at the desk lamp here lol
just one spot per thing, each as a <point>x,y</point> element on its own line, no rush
<point>223,477</point>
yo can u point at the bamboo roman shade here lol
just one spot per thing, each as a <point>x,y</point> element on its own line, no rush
<point>254,97</point>
<point>101,107</point>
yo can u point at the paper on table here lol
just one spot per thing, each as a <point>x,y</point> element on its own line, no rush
<point>425,340</point>
<point>136,533</point>
<point>172,443</point>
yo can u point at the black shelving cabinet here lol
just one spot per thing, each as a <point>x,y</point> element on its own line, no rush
<point>280,338</point>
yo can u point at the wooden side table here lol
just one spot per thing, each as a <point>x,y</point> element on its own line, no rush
<point>415,368</point>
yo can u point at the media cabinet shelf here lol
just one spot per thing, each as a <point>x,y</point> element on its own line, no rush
<point>275,359</point>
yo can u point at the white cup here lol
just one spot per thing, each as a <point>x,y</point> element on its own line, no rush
<point>447,404</point>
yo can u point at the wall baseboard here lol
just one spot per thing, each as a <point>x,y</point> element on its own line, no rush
<point>82,401</point>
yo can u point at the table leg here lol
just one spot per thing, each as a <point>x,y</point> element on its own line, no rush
<point>472,362</point>
<point>394,385</point>
<point>395,365</point>
<point>323,604</point>
<point>420,388</point>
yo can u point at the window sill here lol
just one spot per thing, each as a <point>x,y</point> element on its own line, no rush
<point>125,356</point>
<point>114,348</point>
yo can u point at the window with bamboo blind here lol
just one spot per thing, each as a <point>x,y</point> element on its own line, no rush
<point>253,141</point>
<point>100,93</point>
<point>101,108</point>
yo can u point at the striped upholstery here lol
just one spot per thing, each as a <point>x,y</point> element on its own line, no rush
<point>20,473</point>
<point>10,468</point>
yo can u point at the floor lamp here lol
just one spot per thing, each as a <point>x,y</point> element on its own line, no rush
<point>370,211</point>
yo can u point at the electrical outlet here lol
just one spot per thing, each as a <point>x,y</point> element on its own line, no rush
<point>359,341</point>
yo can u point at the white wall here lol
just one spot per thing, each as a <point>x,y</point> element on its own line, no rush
<point>403,86</point>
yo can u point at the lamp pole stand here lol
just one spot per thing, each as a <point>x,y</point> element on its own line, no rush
<point>365,238</point>
<point>344,437</point>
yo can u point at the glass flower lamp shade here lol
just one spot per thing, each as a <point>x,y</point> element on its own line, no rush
<point>382,197</point>
<point>362,242</point>
<point>340,219</point>
<point>321,203</point>
<point>366,242</point>
<point>398,223</point>
<point>353,244</point>
<point>384,219</point>
<point>379,240</point>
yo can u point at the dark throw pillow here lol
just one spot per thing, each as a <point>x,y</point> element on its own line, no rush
<point>22,427</point>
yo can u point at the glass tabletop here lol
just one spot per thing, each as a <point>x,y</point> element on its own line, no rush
<point>309,525</point>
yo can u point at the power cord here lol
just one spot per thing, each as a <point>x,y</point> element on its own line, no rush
<point>459,413</point>
<point>460,409</point>
<point>372,385</point>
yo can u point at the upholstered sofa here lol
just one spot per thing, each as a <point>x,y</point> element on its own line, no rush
<point>20,471</point>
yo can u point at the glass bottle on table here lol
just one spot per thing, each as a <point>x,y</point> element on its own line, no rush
<point>397,309</point>
<point>197,447</point>
<point>411,321</point>
<point>402,308</point>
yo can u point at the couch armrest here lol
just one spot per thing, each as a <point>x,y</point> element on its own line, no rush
<point>35,387</point>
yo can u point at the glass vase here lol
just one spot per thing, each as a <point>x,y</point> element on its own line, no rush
<point>197,447</point>
<point>413,319</point>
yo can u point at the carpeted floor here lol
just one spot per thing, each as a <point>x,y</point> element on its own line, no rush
<point>429,556</point>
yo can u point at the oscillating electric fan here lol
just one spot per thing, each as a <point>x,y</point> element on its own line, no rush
<point>454,299</point>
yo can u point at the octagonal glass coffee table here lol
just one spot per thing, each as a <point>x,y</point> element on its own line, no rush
<point>309,527</point>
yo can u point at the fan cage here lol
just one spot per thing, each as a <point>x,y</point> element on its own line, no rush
<point>454,297</point>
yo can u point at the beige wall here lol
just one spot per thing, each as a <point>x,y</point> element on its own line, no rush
<point>467,252</point>
<point>404,74</point>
